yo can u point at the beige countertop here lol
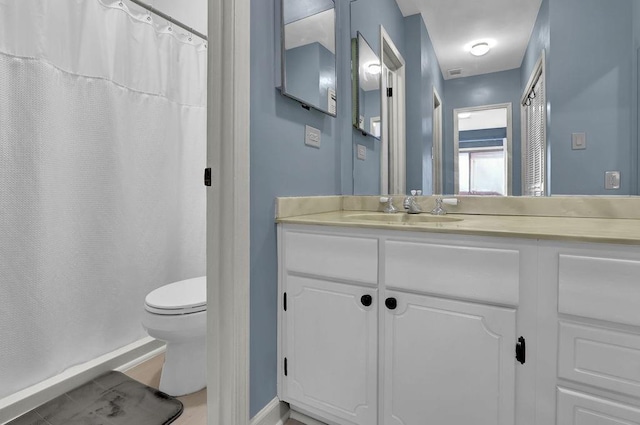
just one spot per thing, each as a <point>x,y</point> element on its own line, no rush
<point>576,229</point>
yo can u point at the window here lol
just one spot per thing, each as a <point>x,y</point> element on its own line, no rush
<point>482,172</point>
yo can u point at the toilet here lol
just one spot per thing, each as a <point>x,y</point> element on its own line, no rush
<point>177,314</point>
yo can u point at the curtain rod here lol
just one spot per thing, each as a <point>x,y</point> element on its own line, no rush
<point>168,18</point>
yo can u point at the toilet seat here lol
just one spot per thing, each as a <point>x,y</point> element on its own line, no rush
<point>183,297</point>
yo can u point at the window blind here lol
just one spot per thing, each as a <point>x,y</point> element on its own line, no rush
<point>535,139</point>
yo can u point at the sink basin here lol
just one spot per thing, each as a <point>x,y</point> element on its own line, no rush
<point>402,218</point>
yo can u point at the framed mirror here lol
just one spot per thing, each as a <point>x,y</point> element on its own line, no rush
<point>366,87</point>
<point>308,42</point>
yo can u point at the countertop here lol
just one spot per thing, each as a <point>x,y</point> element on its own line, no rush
<point>602,230</point>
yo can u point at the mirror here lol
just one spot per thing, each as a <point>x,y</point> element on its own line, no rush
<point>309,53</point>
<point>590,53</point>
<point>366,87</point>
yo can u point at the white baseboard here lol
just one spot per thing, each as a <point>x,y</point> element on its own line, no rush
<point>121,359</point>
<point>274,413</point>
<point>307,420</point>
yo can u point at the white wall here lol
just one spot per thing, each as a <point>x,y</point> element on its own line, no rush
<point>192,13</point>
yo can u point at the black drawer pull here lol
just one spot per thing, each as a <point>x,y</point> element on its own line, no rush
<point>391,303</point>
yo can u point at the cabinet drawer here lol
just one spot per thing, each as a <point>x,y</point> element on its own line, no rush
<point>339,257</point>
<point>600,357</point>
<point>599,288</point>
<point>470,272</point>
<point>576,408</point>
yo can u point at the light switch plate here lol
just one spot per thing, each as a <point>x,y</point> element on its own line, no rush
<point>362,152</point>
<point>578,141</point>
<point>612,180</point>
<point>311,136</point>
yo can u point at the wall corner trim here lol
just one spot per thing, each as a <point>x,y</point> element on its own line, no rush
<point>275,412</point>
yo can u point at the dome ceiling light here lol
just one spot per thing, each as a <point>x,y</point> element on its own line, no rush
<point>374,69</point>
<point>480,47</point>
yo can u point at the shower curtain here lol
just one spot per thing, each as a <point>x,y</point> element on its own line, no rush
<point>102,147</point>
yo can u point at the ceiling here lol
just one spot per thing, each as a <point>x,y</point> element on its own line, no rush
<point>317,28</point>
<point>479,120</point>
<point>452,24</point>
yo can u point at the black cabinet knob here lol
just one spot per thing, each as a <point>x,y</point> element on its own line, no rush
<point>391,303</point>
<point>366,300</point>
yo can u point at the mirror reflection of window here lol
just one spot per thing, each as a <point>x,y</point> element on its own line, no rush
<point>482,152</point>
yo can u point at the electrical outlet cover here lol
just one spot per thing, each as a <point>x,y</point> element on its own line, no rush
<point>312,136</point>
<point>612,180</point>
<point>362,152</point>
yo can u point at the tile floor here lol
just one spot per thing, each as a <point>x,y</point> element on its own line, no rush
<point>195,405</point>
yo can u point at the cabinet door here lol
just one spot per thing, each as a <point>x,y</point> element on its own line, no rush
<point>575,408</point>
<point>448,362</point>
<point>330,343</point>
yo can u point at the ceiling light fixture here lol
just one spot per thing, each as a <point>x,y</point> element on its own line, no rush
<point>480,49</point>
<point>464,115</point>
<point>374,69</point>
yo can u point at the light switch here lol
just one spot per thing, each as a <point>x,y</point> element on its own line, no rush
<point>578,141</point>
<point>311,136</point>
<point>612,180</point>
<point>362,152</point>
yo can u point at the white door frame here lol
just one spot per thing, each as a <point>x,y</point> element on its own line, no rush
<point>228,212</point>
<point>393,146</point>
<point>436,146</point>
<point>456,144</point>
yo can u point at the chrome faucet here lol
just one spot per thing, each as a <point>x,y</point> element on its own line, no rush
<point>388,208</point>
<point>411,204</point>
<point>438,210</point>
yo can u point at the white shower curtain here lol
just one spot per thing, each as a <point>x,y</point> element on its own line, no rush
<point>102,148</point>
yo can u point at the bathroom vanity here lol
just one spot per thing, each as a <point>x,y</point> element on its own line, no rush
<point>478,319</point>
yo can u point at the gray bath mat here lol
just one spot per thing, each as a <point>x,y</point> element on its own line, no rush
<point>110,399</point>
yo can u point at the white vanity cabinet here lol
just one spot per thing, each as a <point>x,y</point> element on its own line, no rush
<point>329,333</point>
<point>437,344</point>
<point>590,334</point>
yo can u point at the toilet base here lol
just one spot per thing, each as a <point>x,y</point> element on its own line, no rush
<point>184,369</point>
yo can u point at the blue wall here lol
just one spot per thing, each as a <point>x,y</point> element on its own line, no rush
<point>281,165</point>
<point>304,82</point>
<point>635,130</point>
<point>310,71</point>
<point>423,75</point>
<point>488,89</point>
<point>590,91</point>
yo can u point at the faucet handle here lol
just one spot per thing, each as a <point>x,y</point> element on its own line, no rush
<point>438,210</point>
<point>388,208</point>
<point>413,192</point>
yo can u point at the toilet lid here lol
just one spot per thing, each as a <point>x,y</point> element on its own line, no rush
<point>185,296</point>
